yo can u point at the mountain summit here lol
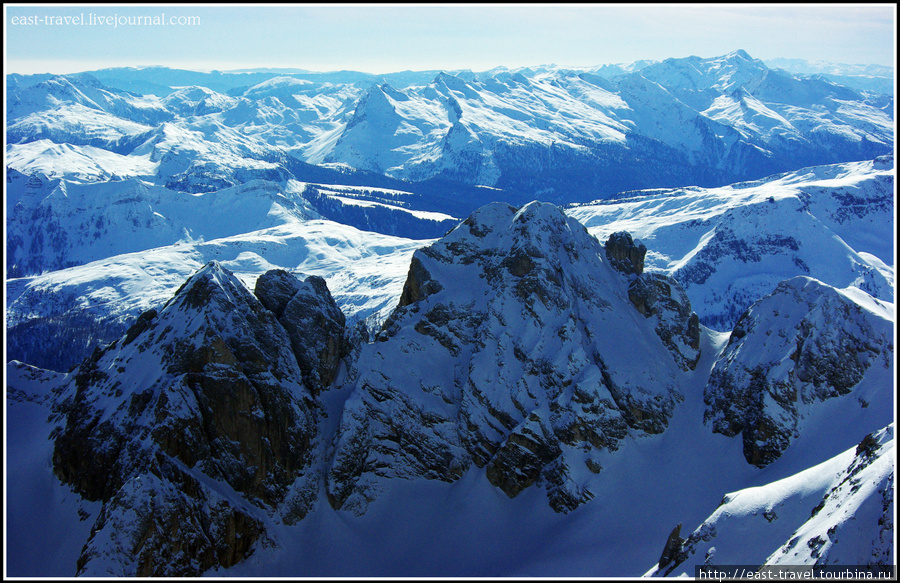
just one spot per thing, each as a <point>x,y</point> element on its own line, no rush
<point>517,347</point>
<point>185,429</point>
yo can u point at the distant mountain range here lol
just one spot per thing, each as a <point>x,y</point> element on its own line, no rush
<point>560,135</point>
<point>875,78</point>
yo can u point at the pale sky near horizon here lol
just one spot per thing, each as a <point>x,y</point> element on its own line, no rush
<point>385,38</point>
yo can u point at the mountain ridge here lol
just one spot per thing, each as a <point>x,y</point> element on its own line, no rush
<point>505,128</point>
<point>514,250</point>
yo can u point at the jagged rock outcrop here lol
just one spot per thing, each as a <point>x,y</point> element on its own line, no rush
<point>312,320</point>
<point>187,429</point>
<point>659,297</point>
<point>804,343</point>
<point>672,553</point>
<point>624,254</point>
<point>662,299</point>
<point>515,349</point>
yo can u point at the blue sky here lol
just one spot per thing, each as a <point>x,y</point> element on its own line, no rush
<point>383,38</point>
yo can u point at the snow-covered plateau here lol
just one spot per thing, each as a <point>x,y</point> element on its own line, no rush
<point>627,321</point>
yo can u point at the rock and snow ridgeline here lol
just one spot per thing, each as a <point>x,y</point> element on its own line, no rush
<point>561,135</point>
<point>727,246</point>
<point>838,514</point>
<point>521,346</point>
<point>501,355</point>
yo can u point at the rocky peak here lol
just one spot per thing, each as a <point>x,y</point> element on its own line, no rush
<point>804,343</point>
<point>313,321</point>
<point>197,402</point>
<point>374,107</point>
<point>515,348</point>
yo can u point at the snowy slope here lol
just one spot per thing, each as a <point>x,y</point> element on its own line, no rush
<point>83,164</point>
<point>36,502</point>
<point>79,307</point>
<point>729,246</point>
<point>87,91</point>
<point>569,135</point>
<point>470,526</point>
<point>86,222</point>
<point>57,222</point>
<point>839,512</point>
<point>78,124</point>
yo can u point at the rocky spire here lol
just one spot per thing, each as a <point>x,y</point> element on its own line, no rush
<point>624,254</point>
<point>189,429</point>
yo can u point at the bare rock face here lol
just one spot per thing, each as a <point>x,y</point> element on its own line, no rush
<point>312,320</point>
<point>197,409</point>
<point>804,343</point>
<point>659,298</point>
<point>506,353</point>
<point>662,299</point>
<point>624,254</point>
<point>672,551</point>
<point>164,523</point>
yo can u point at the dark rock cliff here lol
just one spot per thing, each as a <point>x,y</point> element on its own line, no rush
<point>197,419</point>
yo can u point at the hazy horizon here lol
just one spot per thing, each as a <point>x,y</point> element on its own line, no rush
<point>382,39</point>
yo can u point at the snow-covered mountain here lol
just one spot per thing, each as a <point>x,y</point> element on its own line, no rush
<point>874,78</point>
<point>558,134</point>
<point>525,362</point>
<point>481,381</point>
<point>197,415</point>
<point>629,320</point>
<point>729,246</point>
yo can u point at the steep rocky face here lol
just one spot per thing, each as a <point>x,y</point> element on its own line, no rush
<point>165,523</point>
<point>312,320</point>
<point>624,254</point>
<point>659,298</point>
<point>515,348</point>
<point>804,343</point>
<point>662,299</point>
<point>185,428</point>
